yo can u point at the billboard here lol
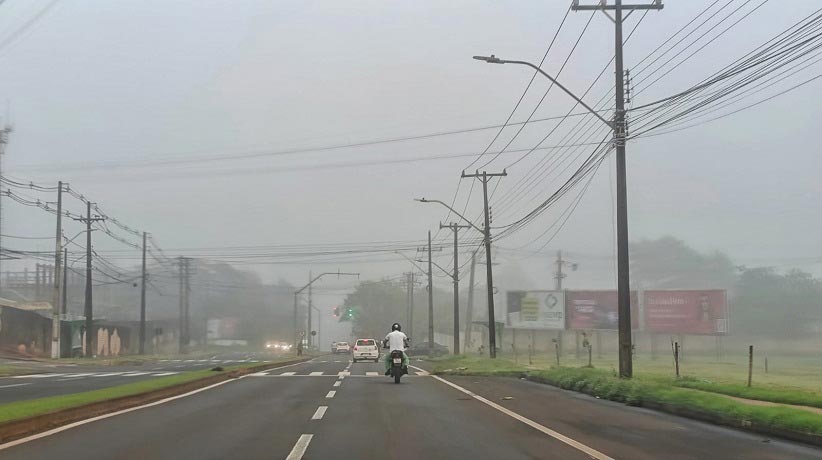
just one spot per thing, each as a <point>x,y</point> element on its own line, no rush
<point>597,309</point>
<point>222,328</point>
<point>686,311</point>
<point>536,309</point>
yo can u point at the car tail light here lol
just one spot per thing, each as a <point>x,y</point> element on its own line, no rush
<point>355,348</point>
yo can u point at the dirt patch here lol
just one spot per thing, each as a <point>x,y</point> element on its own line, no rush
<point>16,429</point>
<point>756,402</point>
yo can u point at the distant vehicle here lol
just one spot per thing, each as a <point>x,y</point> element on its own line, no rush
<point>280,346</point>
<point>421,349</point>
<point>366,349</point>
<point>341,347</point>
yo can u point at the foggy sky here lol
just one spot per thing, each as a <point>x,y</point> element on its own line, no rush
<point>95,82</point>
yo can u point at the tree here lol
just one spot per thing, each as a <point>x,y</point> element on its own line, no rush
<point>669,263</point>
<point>771,304</point>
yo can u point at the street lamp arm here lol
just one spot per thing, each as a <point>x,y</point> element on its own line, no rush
<point>323,274</point>
<point>495,60</point>
<point>423,200</point>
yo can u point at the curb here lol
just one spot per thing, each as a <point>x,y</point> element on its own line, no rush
<point>16,429</point>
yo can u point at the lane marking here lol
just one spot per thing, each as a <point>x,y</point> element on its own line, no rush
<point>108,374</point>
<point>371,374</point>
<point>419,371</point>
<point>336,384</point>
<point>593,453</point>
<point>299,449</point>
<point>288,373</point>
<point>136,374</point>
<point>314,374</point>
<point>60,429</point>
<point>36,376</point>
<point>330,394</point>
<point>15,385</point>
<point>320,412</point>
<point>343,373</point>
<point>165,373</point>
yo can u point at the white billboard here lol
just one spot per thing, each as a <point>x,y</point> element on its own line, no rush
<point>536,309</point>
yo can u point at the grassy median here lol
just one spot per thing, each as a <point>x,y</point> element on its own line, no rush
<point>687,394</point>
<point>24,409</point>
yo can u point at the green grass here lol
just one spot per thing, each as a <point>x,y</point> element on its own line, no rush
<point>30,408</point>
<point>650,389</point>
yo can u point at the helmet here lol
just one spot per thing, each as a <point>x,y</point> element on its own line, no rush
<point>396,327</point>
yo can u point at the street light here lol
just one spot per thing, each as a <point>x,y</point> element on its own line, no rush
<point>618,128</point>
<point>297,293</point>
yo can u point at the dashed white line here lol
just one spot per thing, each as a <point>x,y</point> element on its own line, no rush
<point>330,394</point>
<point>336,384</point>
<point>314,374</point>
<point>288,373</point>
<point>36,376</point>
<point>320,412</point>
<point>372,373</point>
<point>299,449</point>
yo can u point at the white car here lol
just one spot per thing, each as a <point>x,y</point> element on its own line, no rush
<point>366,349</point>
<point>341,347</point>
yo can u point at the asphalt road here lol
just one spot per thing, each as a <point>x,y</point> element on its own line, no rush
<point>335,410</point>
<point>43,379</point>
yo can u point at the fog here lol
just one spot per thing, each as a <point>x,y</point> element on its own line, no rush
<point>222,125</point>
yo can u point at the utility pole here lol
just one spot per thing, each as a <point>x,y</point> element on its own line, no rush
<point>143,301</point>
<point>559,275</point>
<point>619,126</point>
<point>469,311</point>
<point>64,296</point>
<point>186,305</point>
<point>456,277</point>
<point>296,333</point>
<point>430,300</point>
<point>492,326</point>
<point>409,298</point>
<point>4,140</point>
<point>184,289</point>
<point>88,309</point>
<point>308,332</point>
<point>58,239</point>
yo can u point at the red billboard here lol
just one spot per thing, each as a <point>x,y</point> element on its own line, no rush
<point>596,309</point>
<point>686,312</point>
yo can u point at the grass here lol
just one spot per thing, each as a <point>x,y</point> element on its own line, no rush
<point>653,389</point>
<point>23,409</point>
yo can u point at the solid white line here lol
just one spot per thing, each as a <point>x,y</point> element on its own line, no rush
<point>36,376</point>
<point>314,374</point>
<point>320,412</point>
<point>288,373</point>
<point>336,384</point>
<point>330,394</point>
<point>419,371</point>
<point>15,385</point>
<point>165,373</point>
<point>135,374</point>
<point>558,436</point>
<point>299,449</point>
<point>124,411</point>
<point>108,374</point>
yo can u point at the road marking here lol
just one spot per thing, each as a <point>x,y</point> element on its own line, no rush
<point>165,373</point>
<point>593,453</point>
<point>372,373</point>
<point>36,376</point>
<point>320,412</point>
<point>299,449</point>
<point>330,394</point>
<point>343,374</point>
<point>15,385</point>
<point>108,374</point>
<point>73,376</point>
<point>44,434</point>
<point>336,384</point>
<point>419,371</point>
<point>135,374</point>
<point>288,373</point>
<point>314,374</point>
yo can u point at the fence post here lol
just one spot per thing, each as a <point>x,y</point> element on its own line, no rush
<point>676,358</point>
<point>750,363</point>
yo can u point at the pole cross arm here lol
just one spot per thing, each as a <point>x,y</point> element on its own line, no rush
<point>495,60</point>
<point>656,5</point>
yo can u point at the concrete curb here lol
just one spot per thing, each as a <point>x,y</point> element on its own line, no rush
<point>16,429</point>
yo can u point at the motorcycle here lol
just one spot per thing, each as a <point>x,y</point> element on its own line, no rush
<point>396,365</point>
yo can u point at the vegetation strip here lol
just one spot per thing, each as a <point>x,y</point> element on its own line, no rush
<point>660,394</point>
<point>24,418</point>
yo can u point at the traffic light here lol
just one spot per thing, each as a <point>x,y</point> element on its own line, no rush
<point>336,312</point>
<point>348,314</point>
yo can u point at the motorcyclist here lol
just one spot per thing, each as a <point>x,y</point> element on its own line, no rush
<point>395,340</point>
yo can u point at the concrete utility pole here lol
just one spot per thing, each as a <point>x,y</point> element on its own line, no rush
<point>64,296</point>
<point>88,309</point>
<point>297,293</point>
<point>620,129</point>
<point>4,140</point>
<point>143,301</point>
<point>184,273</point>
<point>469,312</point>
<point>456,277</point>
<point>55,307</point>
<point>409,297</point>
<point>308,336</point>
<point>492,326</point>
<point>430,300</point>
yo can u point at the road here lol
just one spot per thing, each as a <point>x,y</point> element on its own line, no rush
<point>329,408</point>
<point>53,378</point>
